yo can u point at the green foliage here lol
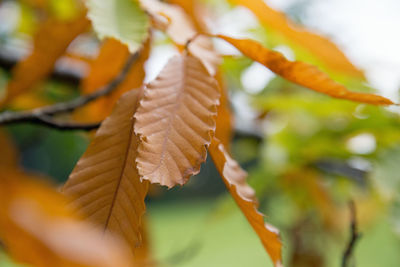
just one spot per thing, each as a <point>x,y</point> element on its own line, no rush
<point>123,20</point>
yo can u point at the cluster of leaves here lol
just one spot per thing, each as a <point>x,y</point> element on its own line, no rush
<point>157,132</point>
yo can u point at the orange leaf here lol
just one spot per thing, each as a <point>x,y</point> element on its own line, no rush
<point>9,157</point>
<point>235,180</point>
<point>37,229</point>
<point>323,48</point>
<point>109,62</point>
<point>104,69</point>
<point>50,42</point>
<point>105,185</point>
<point>175,122</point>
<point>301,73</point>
<point>225,119</point>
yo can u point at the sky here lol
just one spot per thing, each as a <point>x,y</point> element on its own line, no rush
<point>366,30</point>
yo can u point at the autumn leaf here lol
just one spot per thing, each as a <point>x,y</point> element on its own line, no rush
<point>108,64</point>
<point>9,151</point>
<point>192,8</point>
<point>225,119</point>
<point>319,46</point>
<point>37,229</point>
<point>301,73</point>
<point>38,65</point>
<point>123,20</point>
<point>105,185</point>
<point>235,180</point>
<point>175,122</point>
<point>181,30</point>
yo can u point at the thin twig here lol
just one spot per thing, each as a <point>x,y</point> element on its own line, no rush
<point>43,115</point>
<point>59,125</point>
<point>354,236</point>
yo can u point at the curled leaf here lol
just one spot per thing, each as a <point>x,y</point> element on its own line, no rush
<point>105,185</point>
<point>175,122</point>
<point>235,180</point>
<point>301,73</point>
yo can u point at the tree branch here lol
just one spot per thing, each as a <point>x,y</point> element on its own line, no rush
<point>43,115</point>
<point>355,235</point>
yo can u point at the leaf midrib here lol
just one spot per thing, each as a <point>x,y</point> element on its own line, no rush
<point>124,165</point>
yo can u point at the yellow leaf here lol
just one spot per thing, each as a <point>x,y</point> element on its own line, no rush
<point>235,180</point>
<point>192,8</point>
<point>50,42</point>
<point>36,228</point>
<point>175,122</point>
<point>104,69</point>
<point>105,185</point>
<point>181,30</point>
<point>301,73</point>
<point>319,46</point>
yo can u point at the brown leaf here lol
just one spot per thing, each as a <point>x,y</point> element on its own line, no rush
<point>104,69</point>
<point>105,185</point>
<point>319,46</point>
<point>50,42</point>
<point>224,120</point>
<point>235,180</point>
<point>9,153</point>
<point>301,73</point>
<point>143,255</point>
<point>37,229</point>
<point>175,122</point>
<point>181,30</point>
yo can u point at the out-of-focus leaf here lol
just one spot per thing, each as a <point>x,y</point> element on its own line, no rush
<point>104,69</point>
<point>181,30</point>
<point>37,229</point>
<point>225,119</point>
<point>106,66</point>
<point>9,157</point>
<point>320,46</point>
<point>191,8</point>
<point>175,122</point>
<point>50,42</point>
<point>235,180</point>
<point>308,182</point>
<point>123,20</point>
<point>301,73</point>
<point>105,185</point>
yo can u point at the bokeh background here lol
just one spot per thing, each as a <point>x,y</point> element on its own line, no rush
<point>307,155</point>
